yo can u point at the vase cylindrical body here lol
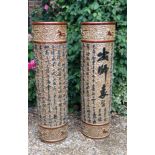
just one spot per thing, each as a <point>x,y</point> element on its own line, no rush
<point>49,39</point>
<point>96,77</point>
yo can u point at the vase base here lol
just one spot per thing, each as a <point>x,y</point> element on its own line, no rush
<point>95,131</point>
<point>52,135</point>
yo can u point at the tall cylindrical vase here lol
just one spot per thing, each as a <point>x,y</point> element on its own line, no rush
<point>49,40</point>
<point>96,77</point>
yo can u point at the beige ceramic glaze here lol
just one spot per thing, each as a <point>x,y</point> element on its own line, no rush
<point>51,79</point>
<point>96,77</point>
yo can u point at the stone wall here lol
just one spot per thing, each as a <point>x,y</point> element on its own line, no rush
<point>33,4</point>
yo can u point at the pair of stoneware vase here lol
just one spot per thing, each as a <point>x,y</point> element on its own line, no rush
<point>49,39</point>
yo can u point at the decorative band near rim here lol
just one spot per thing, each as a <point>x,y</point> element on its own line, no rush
<point>49,41</point>
<point>98,32</point>
<point>49,32</point>
<point>96,77</point>
<point>49,23</point>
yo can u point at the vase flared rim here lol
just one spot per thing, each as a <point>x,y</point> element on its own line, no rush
<point>98,23</point>
<point>49,23</point>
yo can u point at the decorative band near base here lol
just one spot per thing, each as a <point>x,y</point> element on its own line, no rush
<point>51,135</point>
<point>95,131</point>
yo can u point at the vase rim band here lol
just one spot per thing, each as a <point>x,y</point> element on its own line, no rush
<point>49,23</point>
<point>97,41</point>
<point>48,42</point>
<point>98,23</point>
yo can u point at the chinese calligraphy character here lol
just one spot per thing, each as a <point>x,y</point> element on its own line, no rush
<point>103,92</point>
<point>103,69</point>
<point>103,55</point>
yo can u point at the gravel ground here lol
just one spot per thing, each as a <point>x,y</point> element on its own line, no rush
<point>76,143</point>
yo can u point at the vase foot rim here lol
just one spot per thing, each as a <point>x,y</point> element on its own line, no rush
<point>54,141</point>
<point>97,138</point>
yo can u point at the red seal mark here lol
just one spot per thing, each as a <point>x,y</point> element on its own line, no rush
<point>60,33</point>
<point>109,33</point>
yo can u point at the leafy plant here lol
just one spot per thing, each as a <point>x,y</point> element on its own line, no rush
<point>31,79</point>
<point>77,11</point>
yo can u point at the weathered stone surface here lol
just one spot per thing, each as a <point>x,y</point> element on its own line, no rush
<point>76,143</point>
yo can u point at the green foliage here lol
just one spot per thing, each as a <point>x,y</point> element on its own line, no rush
<point>31,79</point>
<point>77,11</point>
<point>31,89</point>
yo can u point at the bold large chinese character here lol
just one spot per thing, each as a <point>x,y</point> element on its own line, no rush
<point>103,92</point>
<point>103,55</point>
<point>103,69</point>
